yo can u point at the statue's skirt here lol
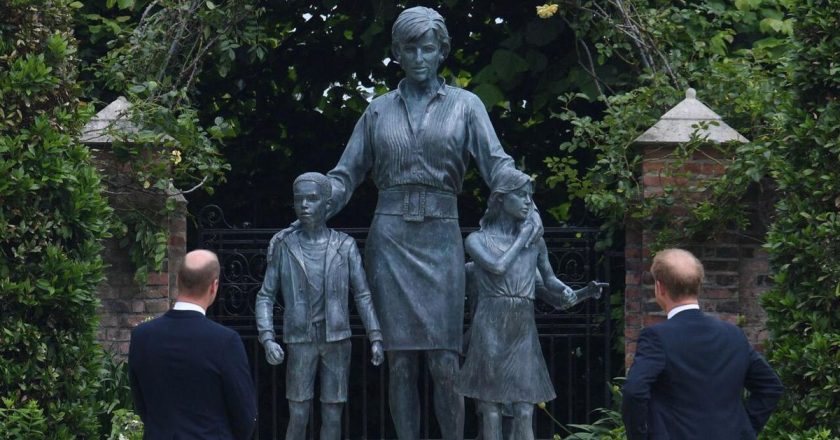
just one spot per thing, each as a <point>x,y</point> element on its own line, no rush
<point>504,360</point>
<point>416,276</point>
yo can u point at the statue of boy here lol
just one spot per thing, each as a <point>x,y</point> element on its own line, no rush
<point>314,267</point>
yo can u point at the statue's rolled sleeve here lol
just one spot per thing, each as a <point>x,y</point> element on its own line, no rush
<point>354,164</point>
<point>266,298</point>
<point>483,143</point>
<point>361,294</point>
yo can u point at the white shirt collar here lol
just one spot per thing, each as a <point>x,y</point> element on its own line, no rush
<point>183,305</point>
<point>681,308</point>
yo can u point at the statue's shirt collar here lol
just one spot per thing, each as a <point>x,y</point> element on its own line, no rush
<point>401,87</point>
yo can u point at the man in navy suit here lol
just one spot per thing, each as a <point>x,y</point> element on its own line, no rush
<point>689,372</point>
<point>189,375</point>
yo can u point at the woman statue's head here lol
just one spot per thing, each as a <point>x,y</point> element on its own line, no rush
<point>420,31</point>
<point>511,196</point>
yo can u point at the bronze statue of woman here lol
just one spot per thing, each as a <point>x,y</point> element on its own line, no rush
<point>417,142</point>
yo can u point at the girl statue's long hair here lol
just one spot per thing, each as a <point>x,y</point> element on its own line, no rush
<point>505,181</point>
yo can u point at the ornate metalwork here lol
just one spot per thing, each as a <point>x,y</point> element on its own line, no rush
<point>575,342</point>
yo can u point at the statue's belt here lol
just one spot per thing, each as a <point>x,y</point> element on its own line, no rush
<point>415,204</point>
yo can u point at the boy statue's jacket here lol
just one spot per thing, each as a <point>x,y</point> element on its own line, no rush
<point>286,271</point>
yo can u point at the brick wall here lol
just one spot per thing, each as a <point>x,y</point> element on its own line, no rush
<point>737,269</point>
<point>124,303</point>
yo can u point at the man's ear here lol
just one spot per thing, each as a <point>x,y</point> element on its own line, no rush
<point>214,289</point>
<point>660,290</point>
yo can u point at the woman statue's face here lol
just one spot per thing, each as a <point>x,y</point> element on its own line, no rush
<point>517,203</point>
<point>421,58</point>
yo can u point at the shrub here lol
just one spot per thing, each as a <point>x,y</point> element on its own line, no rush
<point>52,218</point>
<point>114,395</point>
<point>22,422</point>
<point>804,241</point>
<point>126,426</point>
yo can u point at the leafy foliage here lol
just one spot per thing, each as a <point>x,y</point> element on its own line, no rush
<point>767,67</point>
<point>804,241</point>
<point>303,73</point>
<point>153,56</point>
<point>739,80</point>
<point>608,426</point>
<point>22,422</point>
<point>114,397</point>
<point>52,217</point>
<point>127,426</point>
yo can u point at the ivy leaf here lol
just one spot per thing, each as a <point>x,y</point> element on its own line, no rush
<point>507,64</point>
<point>769,25</point>
<point>490,95</point>
<point>719,41</point>
<point>747,5</point>
<point>486,75</point>
<point>367,36</point>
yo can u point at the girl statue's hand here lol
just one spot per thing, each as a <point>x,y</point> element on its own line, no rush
<point>526,229</point>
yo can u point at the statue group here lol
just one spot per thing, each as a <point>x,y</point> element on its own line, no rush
<point>417,142</point>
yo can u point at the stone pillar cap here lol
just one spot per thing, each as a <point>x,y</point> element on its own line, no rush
<point>113,117</point>
<point>677,125</point>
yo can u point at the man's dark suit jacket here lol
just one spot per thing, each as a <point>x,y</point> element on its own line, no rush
<point>687,382</point>
<point>190,379</point>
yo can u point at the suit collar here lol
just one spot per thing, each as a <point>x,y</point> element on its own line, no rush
<point>183,305</point>
<point>183,314</point>
<point>683,308</point>
<point>687,314</point>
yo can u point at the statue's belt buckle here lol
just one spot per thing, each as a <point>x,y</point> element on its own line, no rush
<point>414,205</point>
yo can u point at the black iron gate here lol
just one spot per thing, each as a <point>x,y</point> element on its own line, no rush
<point>576,343</point>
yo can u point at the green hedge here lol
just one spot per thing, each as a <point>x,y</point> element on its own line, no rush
<point>804,241</point>
<point>52,218</point>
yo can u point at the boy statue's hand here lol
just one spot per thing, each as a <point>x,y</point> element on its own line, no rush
<point>273,353</point>
<point>377,353</point>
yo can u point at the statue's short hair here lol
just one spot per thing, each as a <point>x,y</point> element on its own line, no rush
<point>414,22</point>
<point>322,181</point>
<point>679,271</point>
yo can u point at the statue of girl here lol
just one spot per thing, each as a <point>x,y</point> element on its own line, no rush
<point>504,366</point>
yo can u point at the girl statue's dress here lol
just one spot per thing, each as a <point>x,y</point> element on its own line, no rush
<point>504,362</point>
<point>504,370</point>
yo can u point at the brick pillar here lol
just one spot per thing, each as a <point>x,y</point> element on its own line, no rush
<point>177,245</point>
<point>124,303</point>
<point>737,270</point>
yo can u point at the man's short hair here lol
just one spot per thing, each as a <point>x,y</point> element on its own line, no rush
<point>679,271</point>
<point>196,280</point>
<point>322,181</point>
